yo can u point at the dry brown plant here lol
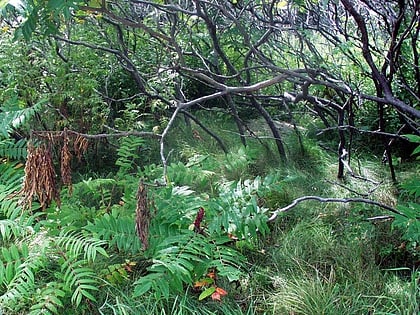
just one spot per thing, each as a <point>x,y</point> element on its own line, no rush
<point>80,145</point>
<point>65,165</point>
<point>40,177</point>
<point>143,215</point>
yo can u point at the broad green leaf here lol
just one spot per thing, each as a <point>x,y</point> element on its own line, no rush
<point>413,138</point>
<point>206,293</point>
<point>142,288</point>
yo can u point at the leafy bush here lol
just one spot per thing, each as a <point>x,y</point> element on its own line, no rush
<point>409,219</point>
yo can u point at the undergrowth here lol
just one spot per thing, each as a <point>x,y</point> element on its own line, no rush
<point>211,249</point>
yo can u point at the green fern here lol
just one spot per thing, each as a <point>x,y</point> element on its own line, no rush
<point>80,279</point>
<point>11,230</point>
<point>13,116</point>
<point>75,244</point>
<point>237,210</point>
<point>237,163</point>
<point>18,267</point>
<point>192,175</point>
<point>128,154</point>
<point>183,258</point>
<point>11,177</point>
<point>13,150</point>
<point>10,260</point>
<point>78,252</point>
<point>119,231</point>
<point>11,174</point>
<point>9,206</point>
<point>49,300</point>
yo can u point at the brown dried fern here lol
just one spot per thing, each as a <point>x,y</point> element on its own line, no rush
<point>40,177</point>
<point>80,145</point>
<point>143,215</point>
<point>65,165</point>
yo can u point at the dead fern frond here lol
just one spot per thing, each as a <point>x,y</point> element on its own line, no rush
<point>143,215</point>
<point>80,146</point>
<point>40,177</point>
<point>65,165</point>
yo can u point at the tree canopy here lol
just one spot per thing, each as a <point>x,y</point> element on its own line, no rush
<point>344,60</point>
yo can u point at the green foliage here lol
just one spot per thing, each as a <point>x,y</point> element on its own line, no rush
<point>115,274</point>
<point>19,267</point>
<point>49,300</point>
<point>409,219</point>
<point>13,116</point>
<point>180,259</point>
<point>237,163</point>
<point>76,244</point>
<point>193,174</point>
<point>237,210</point>
<point>80,279</point>
<point>129,154</point>
<point>414,139</point>
<point>13,150</point>
<point>85,257</point>
<point>118,230</point>
<point>10,180</point>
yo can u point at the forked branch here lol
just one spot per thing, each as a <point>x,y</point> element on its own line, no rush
<point>340,200</point>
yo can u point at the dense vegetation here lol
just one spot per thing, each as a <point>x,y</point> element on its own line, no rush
<point>209,157</point>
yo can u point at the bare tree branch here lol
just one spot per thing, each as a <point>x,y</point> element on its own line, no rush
<point>339,200</point>
<point>118,134</point>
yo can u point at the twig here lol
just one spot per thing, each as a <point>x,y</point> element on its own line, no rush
<point>370,132</point>
<point>381,217</point>
<point>348,188</point>
<point>162,144</point>
<point>119,134</point>
<point>321,199</point>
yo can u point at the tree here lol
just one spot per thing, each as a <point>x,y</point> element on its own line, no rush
<point>341,58</point>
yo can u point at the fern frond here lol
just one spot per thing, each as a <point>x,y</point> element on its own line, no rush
<point>128,153</point>
<point>13,150</point>
<point>11,229</point>
<point>80,279</point>
<point>49,300</point>
<point>17,272</point>
<point>119,231</point>
<point>10,260</point>
<point>9,206</point>
<point>14,117</point>
<point>237,209</point>
<point>181,258</point>
<point>11,175</point>
<point>76,243</point>
<point>192,175</point>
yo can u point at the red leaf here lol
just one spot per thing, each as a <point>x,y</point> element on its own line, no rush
<point>215,296</point>
<point>221,291</point>
<point>198,219</point>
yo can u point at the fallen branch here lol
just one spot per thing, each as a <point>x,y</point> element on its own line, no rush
<point>341,200</point>
<point>117,134</point>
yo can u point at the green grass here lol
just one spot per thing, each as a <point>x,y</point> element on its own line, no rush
<point>319,258</point>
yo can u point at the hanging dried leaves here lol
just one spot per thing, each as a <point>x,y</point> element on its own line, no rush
<point>40,177</point>
<point>143,215</point>
<point>65,165</point>
<point>80,145</point>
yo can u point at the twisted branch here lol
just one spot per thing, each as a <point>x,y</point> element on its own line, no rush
<point>342,200</point>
